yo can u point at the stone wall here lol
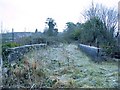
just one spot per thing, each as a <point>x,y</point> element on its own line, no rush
<point>17,53</point>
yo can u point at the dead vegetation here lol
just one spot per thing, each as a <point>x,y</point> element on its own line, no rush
<point>64,66</point>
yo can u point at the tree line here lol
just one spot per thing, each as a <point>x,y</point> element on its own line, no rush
<point>98,29</point>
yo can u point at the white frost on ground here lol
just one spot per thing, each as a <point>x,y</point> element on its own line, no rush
<point>76,64</point>
<point>72,68</point>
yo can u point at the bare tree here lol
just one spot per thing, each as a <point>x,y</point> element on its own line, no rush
<point>107,15</point>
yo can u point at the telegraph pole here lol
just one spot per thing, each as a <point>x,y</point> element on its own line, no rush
<point>1,27</point>
<point>118,33</point>
<point>12,35</point>
<point>1,32</point>
<point>118,41</point>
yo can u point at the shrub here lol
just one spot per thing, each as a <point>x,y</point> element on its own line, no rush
<point>10,45</point>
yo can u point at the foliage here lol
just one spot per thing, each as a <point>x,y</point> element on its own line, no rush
<point>93,30</point>
<point>36,30</point>
<point>51,31</point>
<point>99,28</point>
<point>107,15</point>
<point>72,32</point>
<point>35,38</point>
<point>10,45</point>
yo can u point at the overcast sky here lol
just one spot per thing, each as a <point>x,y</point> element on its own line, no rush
<point>27,15</point>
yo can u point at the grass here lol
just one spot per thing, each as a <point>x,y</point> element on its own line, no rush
<point>65,66</point>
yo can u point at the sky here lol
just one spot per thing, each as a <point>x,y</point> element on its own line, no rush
<point>27,15</point>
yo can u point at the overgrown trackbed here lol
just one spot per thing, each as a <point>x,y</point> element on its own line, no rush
<point>61,66</point>
<point>71,68</point>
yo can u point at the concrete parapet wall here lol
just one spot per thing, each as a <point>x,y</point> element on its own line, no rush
<point>92,51</point>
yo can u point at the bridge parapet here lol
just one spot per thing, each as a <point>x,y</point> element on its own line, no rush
<point>17,53</point>
<point>92,51</point>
